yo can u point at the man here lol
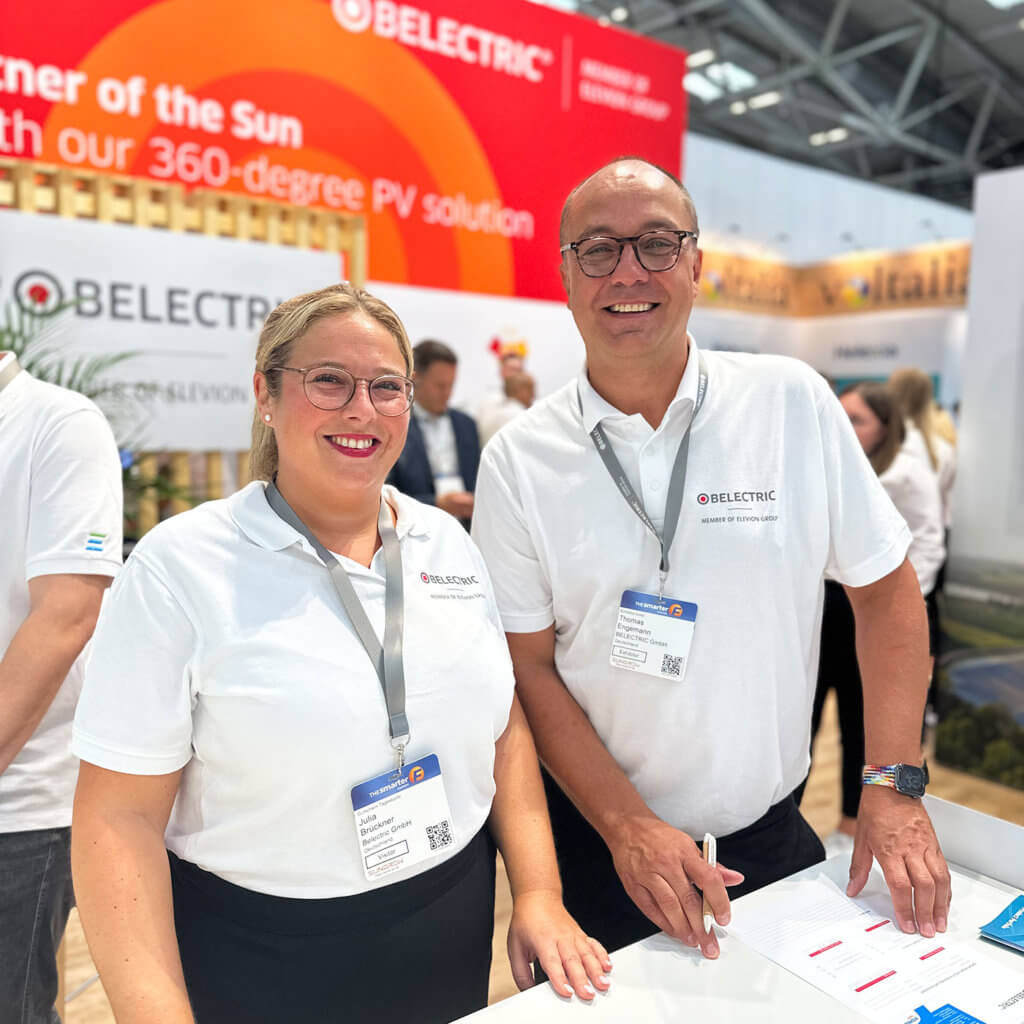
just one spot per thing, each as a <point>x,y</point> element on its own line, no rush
<point>442,451</point>
<point>519,390</point>
<point>60,478</point>
<point>667,666</point>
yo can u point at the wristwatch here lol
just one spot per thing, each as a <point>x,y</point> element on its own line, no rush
<point>907,779</point>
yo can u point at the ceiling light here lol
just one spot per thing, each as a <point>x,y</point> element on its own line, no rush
<point>730,77</point>
<point>604,21</point>
<point>837,135</point>
<point>1003,5</point>
<point>619,13</point>
<point>737,107</point>
<point>700,58</point>
<point>765,99</point>
<point>697,85</point>
<point>818,139</point>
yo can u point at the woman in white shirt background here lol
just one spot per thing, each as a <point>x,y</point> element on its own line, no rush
<point>912,391</point>
<point>259,834</point>
<point>879,427</point>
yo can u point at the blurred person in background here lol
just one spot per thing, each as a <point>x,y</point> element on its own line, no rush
<point>877,422</point>
<point>251,843</point>
<point>439,463</point>
<point>912,391</point>
<point>520,391</point>
<point>60,481</point>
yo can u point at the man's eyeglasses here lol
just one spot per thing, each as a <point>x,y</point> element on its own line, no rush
<point>332,387</point>
<point>657,250</point>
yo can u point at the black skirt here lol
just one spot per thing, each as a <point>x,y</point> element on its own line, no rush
<point>417,950</point>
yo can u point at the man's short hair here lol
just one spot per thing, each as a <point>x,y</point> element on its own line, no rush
<point>428,352</point>
<point>687,198</point>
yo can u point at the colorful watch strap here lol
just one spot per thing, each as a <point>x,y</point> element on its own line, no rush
<point>879,775</point>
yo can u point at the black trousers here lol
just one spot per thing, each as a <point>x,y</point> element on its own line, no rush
<point>418,950</point>
<point>774,846</point>
<point>838,670</point>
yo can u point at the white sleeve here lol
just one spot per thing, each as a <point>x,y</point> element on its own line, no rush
<point>521,585</point>
<point>135,711</point>
<point>75,511</point>
<point>868,537</point>
<point>911,485</point>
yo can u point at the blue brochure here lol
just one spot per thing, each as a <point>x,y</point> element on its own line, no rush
<point>1008,927</point>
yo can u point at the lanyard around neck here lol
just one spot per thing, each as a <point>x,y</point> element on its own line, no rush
<point>677,481</point>
<point>9,372</point>
<point>386,658</point>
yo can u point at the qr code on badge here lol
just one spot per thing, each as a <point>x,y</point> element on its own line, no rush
<point>671,665</point>
<point>440,835</point>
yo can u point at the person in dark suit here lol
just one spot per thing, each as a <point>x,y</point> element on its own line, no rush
<point>439,462</point>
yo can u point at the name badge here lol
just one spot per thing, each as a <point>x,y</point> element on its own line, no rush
<point>402,818</point>
<point>653,635</point>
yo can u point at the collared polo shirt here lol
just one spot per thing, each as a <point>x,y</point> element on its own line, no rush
<point>224,649</point>
<point>60,504</point>
<point>778,494</point>
<point>442,454</point>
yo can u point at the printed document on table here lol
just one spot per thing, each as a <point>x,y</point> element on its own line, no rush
<point>854,950</point>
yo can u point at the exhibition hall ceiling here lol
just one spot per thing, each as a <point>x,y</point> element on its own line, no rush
<point>921,95</point>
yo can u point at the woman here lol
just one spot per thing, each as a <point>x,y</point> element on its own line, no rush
<point>325,805</point>
<point>912,391</point>
<point>879,428</point>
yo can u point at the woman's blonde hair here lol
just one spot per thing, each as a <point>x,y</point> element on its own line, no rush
<point>289,322</point>
<point>878,399</point>
<point>912,391</point>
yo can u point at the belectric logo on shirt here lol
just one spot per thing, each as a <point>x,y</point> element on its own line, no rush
<point>727,497</point>
<point>449,581</point>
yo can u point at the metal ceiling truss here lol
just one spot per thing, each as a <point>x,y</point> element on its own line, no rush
<point>905,96</point>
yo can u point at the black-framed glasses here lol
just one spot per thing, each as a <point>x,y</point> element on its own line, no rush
<point>330,387</point>
<point>656,250</point>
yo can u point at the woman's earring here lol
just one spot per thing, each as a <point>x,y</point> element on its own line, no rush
<point>266,416</point>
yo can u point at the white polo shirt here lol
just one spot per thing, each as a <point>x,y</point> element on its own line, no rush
<point>60,505</point>
<point>223,648</point>
<point>778,493</point>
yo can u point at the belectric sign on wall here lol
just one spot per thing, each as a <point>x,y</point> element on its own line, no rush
<point>191,306</point>
<point>455,128</point>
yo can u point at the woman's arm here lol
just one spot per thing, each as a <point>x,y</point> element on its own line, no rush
<point>123,887</point>
<point>541,927</point>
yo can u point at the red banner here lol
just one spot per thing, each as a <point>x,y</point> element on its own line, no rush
<point>455,128</point>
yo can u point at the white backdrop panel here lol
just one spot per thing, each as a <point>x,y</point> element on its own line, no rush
<point>989,496</point>
<point>190,305</point>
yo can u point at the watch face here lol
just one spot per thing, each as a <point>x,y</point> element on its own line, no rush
<point>910,780</point>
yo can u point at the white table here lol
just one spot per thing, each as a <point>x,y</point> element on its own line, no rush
<point>660,980</point>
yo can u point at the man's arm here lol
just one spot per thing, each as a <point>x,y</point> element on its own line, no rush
<point>659,865</point>
<point>892,651</point>
<point>62,616</point>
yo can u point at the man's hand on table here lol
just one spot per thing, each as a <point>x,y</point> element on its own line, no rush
<point>896,831</point>
<point>661,869</point>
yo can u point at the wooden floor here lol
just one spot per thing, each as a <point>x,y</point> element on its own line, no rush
<point>820,806</point>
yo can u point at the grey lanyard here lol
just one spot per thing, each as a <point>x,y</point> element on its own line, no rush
<point>677,481</point>
<point>387,659</point>
<point>9,372</point>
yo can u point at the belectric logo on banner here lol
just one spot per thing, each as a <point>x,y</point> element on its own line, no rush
<point>38,292</point>
<point>446,37</point>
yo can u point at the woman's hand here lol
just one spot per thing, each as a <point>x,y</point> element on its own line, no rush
<point>542,929</point>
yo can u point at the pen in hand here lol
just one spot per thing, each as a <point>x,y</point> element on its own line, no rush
<point>711,856</point>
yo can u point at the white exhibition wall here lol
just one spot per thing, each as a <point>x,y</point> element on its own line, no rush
<point>989,498</point>
<point>189,306</point>
<point>765,207</point>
